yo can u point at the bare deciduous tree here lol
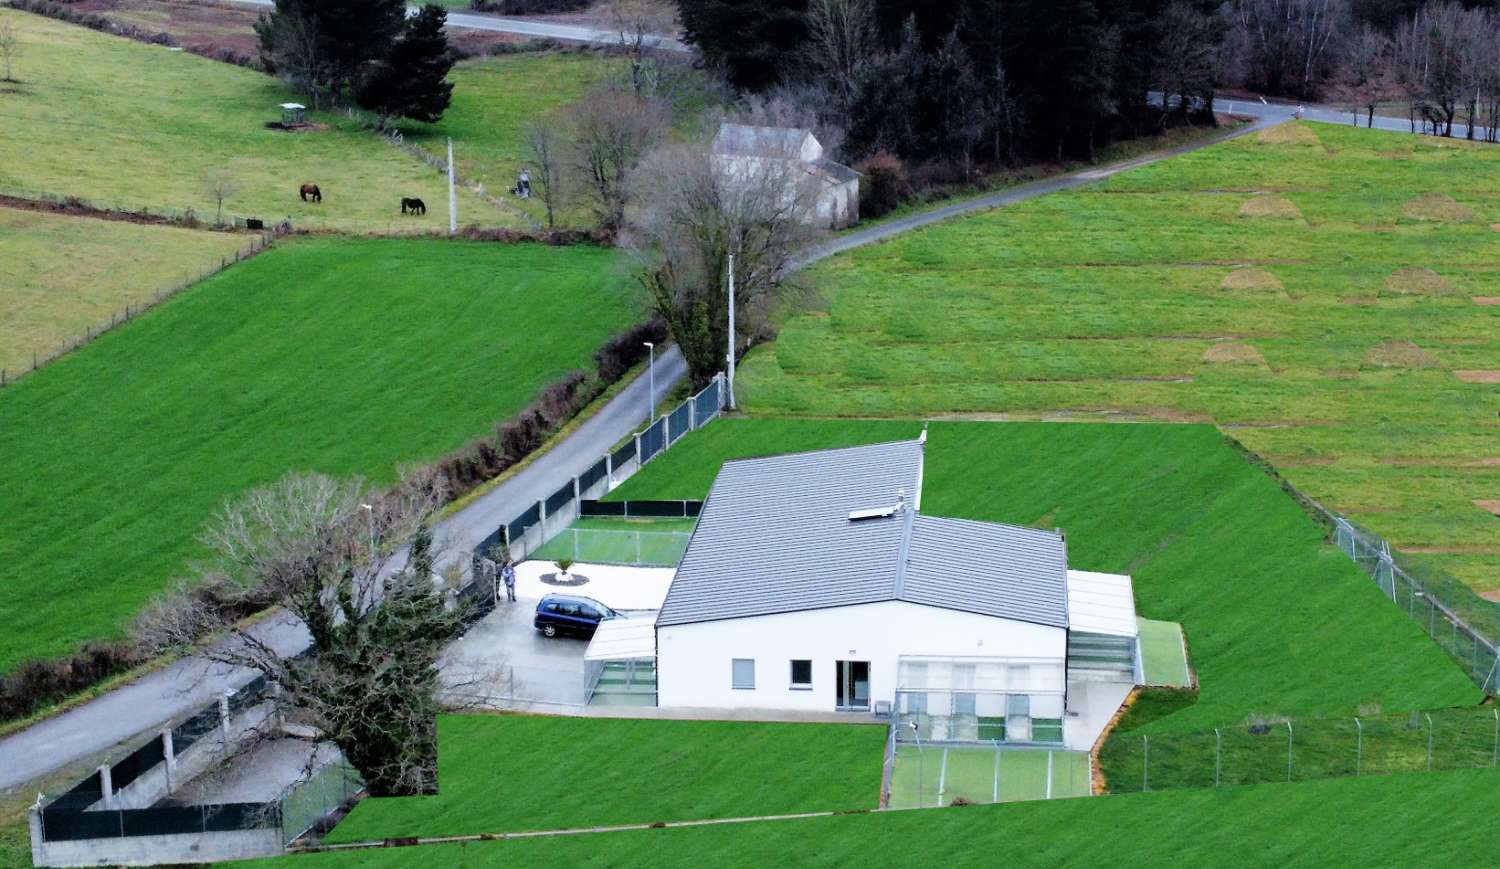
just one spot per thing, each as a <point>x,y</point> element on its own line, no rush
<point>10,48</point>
<point>1438,52</point>
<point>1290,46</point>
<point>690,212</point>
<point>1188,57</point>
<point>1367,77</point>
<point>637,25</point>
<point>220,184</point>
<point>544,150</point>
<point>611,132</point>
<point>842,37</point>
<point>356,568</point>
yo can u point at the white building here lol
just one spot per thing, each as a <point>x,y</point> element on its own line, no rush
<point>814,582</point>
<point>745,151</point>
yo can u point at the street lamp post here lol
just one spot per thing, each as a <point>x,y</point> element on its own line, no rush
<point>651,369</point>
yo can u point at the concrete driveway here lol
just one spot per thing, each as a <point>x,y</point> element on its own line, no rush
<point>503,662</point>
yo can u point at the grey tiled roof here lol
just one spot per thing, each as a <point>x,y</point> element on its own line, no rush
<point>759,141</point>
<point>775,536</point>
<point>836,171</point>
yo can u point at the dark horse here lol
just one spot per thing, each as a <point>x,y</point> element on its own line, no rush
<point>311,190</point>
<point>416,206</point>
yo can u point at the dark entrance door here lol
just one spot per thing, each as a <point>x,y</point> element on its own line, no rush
<point>853,685</point>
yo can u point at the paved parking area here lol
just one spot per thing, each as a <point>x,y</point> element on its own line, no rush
<point>502,662</point>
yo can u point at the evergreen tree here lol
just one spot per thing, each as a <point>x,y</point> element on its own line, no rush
<point>752,41</point>
<point>411,81</point>
<point>322,46</point>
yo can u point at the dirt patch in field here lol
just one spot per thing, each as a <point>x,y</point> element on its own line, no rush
<point>1251,278</point>
<point>1486,300</point>
<point>1233,353</point>
<point>1272,206</point>
<point>1439,207</point>
<point>1301,461</point>
<point>1471,375</point>
<point>1359,300</point>
<point>1399,354</point>
<point>1395,155</point>
<point>1486,504</point>
<point>1288,134</point>
<point>202,27</point>
<point>1417,281</point>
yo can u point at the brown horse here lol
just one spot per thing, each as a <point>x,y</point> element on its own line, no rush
<point>312,190</point>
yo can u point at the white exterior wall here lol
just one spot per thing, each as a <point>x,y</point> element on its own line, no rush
<point>693,661</point>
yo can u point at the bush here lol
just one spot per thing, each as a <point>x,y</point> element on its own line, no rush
<point>35,684</point>
<point>884,185</point>
<point>628,348</point>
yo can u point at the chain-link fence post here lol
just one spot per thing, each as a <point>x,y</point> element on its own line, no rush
<point>1288,750</point>
<point>1218,754</point>
<point>1495,747</point>
<point>1145,763</point>
<point>1429,741</point>
<point>1359,746</point>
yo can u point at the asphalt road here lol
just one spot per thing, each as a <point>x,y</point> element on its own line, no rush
<point>154,699</point>
<point>526,27</point>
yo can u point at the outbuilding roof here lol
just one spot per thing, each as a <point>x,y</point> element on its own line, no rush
<point>748,141</point>
<point>777,535</point>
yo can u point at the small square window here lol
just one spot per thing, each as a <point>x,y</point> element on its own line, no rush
<point>801,674</point>
<point>743,674</point>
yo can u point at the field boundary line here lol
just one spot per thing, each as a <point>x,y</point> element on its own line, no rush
<point>567,831</point>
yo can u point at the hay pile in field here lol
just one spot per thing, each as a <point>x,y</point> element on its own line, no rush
<point>1251,278</point>
<point>1472,375</point>
<point>1233,353</point>
<point>1438,207</point>
<point>1288,134</point>
<point>1416,281</point>
<point>1270,205</point>
<point>1393,353</point>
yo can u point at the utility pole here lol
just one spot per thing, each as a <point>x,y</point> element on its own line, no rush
<point>730,358</point>
<point>452,194</point>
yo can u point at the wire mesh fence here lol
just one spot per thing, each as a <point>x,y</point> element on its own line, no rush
<point>1467,645</point>
<point>307,804</point>
<point>632,548</point>
<point>933,774</point>
<point>1282,750</point>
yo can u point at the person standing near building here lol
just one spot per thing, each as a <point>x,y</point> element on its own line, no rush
<point>508,576</point>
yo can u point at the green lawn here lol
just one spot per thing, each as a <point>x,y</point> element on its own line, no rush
<point>1168,293</point>
<point>60,275</point>
<point>1317,748</point>
<point>119,122</point>
<point>600,540</point>
<point>512,773</point>
<point>1441,819</point>
<point>344,356</point>
<point>928,776</point>
<point>1162,655</point>
<point>494,98</point>
<point>1211,542</point>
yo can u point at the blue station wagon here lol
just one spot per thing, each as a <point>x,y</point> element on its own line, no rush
<point>565,614</point>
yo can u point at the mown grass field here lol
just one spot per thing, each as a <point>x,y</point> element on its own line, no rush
<point>929,776</point>
<point>122,123</point>
<point>494,98</point>
<point>1278,623</point>
<point>1323,293</point>
<point>511,773</point>
<point>1414,820</point>
<point>60,275</point>
<point>333,355</point>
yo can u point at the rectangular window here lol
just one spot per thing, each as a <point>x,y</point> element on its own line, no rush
<point>802,675</point>
<point>743,674</point>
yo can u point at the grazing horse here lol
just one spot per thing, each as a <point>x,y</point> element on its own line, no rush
<point>311,190</point>
<point>415,205</point>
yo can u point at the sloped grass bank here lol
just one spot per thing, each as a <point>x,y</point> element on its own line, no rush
<point>509,773</point>
<point>332,355</point>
